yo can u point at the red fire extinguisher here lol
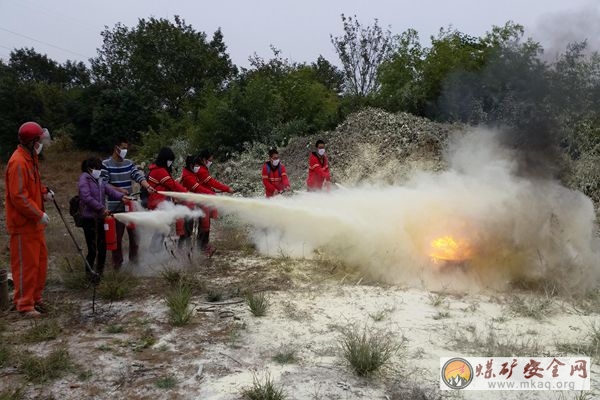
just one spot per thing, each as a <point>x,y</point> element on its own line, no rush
<point>110,232</point>
<point>129,207</point>
<point>180,227</point>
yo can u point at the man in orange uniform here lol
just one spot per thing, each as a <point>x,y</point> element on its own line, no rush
<point>274,175</point>
<point>26,220</point>
<point>319,177</point>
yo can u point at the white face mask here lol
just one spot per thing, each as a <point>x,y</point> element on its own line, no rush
<point>208,164</point>
<point>38,147</point>
<point>275,162</point>
<point>122,153</point>
<point>96,173</point>
<point>321,151</point>
<point>196,169</point>
<point>169,163</point>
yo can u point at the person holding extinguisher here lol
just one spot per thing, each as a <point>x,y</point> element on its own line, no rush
<point>93,192</point>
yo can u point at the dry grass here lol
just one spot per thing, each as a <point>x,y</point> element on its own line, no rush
<point>366,350</point>
<point>258,303</point>
<point>263,390</point>
<point>42,369</point>
<point>492,343</point>
<point>42,331</point>
<point>590,346</point>
<point>116,286</point>
<point>178,301</point>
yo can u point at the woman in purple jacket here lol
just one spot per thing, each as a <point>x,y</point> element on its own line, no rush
<point>92,207</point>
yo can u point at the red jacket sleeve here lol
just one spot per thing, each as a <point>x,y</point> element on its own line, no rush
<point>190,181</point>
<point>207,180</point>
<point>315,165</point>
<point>284,177</point>
<point>265,179</point>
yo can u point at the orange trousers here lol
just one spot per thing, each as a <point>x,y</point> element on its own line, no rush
<point>28,264</point>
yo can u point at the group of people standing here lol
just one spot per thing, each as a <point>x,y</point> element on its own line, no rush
<point>105,187</point>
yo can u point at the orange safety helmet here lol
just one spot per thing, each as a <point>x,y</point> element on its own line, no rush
<point>30,131</point>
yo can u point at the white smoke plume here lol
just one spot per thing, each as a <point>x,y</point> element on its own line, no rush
<point>159,220</point>
<point>507,227</point>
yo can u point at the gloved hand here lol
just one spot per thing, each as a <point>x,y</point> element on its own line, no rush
<point>49,196</point>
<point>45,219</point>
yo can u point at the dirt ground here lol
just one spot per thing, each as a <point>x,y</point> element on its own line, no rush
<point>128,349</point>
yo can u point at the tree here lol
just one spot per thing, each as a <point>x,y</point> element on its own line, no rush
<point>361,51</point>
<point>166,63</point>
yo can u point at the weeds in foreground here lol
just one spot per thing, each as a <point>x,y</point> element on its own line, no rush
<point>535,307</point>
<point>437,299</point>
<point>367,351</point>
<point>42,369</point>
<point>492,343</point>
<point>116,285</point>
<point>582,395</point>
<point>266,390</point>
<point>381,314</point>
<point>214,295</point>
<point>413,391</point>
<point>113,329</point>
<point>5,353</point>
<point>258,303</point>
<point>589,347</point>
<point>72,278</point>
<point>42,331</point>
<point>166,382</point>
<point>178,301</point>
<point>12,394</point>
<point>285,357</point>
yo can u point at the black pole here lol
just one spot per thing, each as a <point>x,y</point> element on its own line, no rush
<point>87,264</point>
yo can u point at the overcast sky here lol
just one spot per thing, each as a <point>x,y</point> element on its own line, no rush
<point>70,29</point>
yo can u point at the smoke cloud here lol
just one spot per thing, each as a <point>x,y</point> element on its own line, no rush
<point>555,31</point>
<point>515,227</point>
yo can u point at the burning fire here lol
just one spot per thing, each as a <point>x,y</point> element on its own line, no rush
<point>447,248</point>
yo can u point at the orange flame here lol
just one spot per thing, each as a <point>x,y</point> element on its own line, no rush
<point>450,249</point>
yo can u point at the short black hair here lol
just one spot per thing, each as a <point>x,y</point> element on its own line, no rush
<point>319,142</point>
<point>91,163</point>
<point>190,161</point>
<point>165,154</point>
<point>205,154</point>
<point>273,151</point>
<point>121,140</point>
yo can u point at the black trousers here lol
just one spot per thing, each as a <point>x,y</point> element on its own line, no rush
<point>93,229</point>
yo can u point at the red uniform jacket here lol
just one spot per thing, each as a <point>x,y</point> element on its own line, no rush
<point>24,193</point>
<point>210,183</point>
<point>161,180</point>
<point>318,172</point>
<point>190,181</point>
<point>274,178</point>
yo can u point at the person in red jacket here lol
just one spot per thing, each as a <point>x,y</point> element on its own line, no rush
<point>274,175</point>
<point>204,161</point>
<point>26,220</point>
<point>189,180</point>
<point>319,177</point>
<point>160,179</point>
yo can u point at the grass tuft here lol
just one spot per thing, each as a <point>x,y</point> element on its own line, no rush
<point>535,307</point>
<point>285,357</point>
<point>166,382</point>
<point>5,353</point>
<point>42,331</point>
<point>116,285</point>
<point>492,343</point>
<point>258,303</point>
<point>214,295</point>
<point>42,369</point>
<point>368,351</point>
<point>113,329</point>
<point>266,390</point>
<point>12,394</point>
<point>178,301</point>
<point>589,347</point>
